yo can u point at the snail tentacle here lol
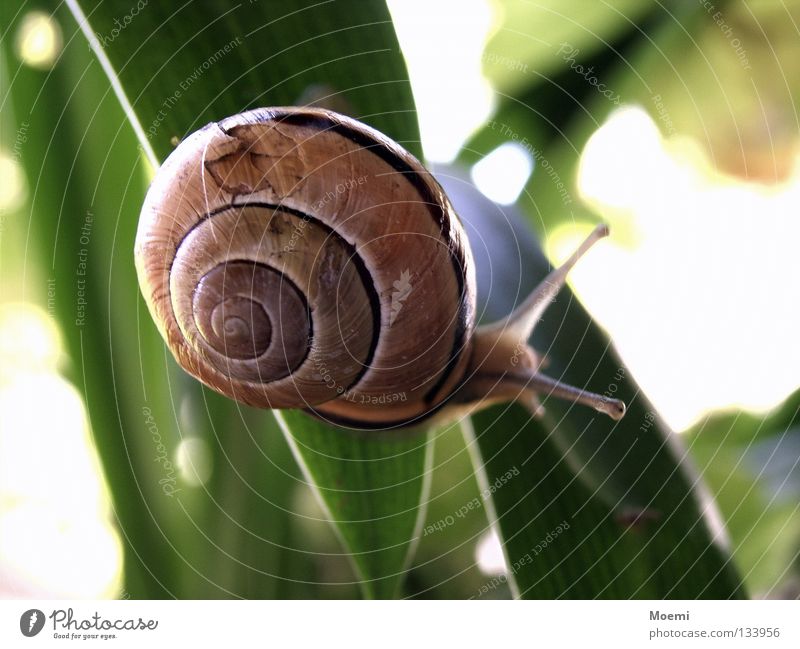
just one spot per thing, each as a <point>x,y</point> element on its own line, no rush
<point>504,367</point>
<point>522,321</point>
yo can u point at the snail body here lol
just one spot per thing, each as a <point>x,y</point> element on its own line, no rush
<point>296,258</point>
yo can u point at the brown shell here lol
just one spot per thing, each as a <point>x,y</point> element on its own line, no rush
<point>296,258</point>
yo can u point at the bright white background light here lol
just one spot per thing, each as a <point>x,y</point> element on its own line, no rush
<point>38,40</point>
<point>503,173</point>
<point>698,284</point>
<point>194,461</point>
<point>444,64</point>
<point>489,555</point>
<point>56,535</point>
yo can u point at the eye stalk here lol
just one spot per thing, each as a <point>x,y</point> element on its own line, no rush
<point>504,367</point>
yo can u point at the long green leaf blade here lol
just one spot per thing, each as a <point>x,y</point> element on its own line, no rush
<point>373,490</point>
<point>640,523</point>
<point>175,69</point>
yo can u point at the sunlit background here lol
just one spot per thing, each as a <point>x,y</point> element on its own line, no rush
<point>719,331</point>
<point>698,285</point>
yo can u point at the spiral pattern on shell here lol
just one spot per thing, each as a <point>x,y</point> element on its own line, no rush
<point>296,258</point>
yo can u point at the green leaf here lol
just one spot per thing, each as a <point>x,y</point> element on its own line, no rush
<point>643,524</point>
<point>445,566</point>
<point>639,522</point>
<point>373,487</point>
<point>183,66</point>
<point>175,69</point>
<point>719,77</point>
<point>750,464</point>
<point>135,396</point>
<point>563,539</point>
<point>524,50</point>
<point>79,196</point>
<point>558,104</point>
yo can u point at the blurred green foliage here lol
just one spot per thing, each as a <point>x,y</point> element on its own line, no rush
<point>256,528</point>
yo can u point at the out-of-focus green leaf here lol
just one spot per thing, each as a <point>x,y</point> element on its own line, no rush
<point>534,39</point>
<point>713,75</point>
<point>456,521</point>
<point>373,487</point>
<point>179,68</point>
<point>751,465</point>
<point>639,524</point>
<point>553,116</point>
<point>82,220</point>
<point>259,537</point>
<point>78,194</point>
<point>723,77</point>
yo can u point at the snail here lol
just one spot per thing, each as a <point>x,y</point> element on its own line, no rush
<point>297,258</point>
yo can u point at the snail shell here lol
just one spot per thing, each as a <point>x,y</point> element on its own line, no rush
<point>296,258</point>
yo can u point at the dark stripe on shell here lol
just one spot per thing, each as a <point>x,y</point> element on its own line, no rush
<point>358,262</point>
<point>290,282</point>
<point>422,183</point>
